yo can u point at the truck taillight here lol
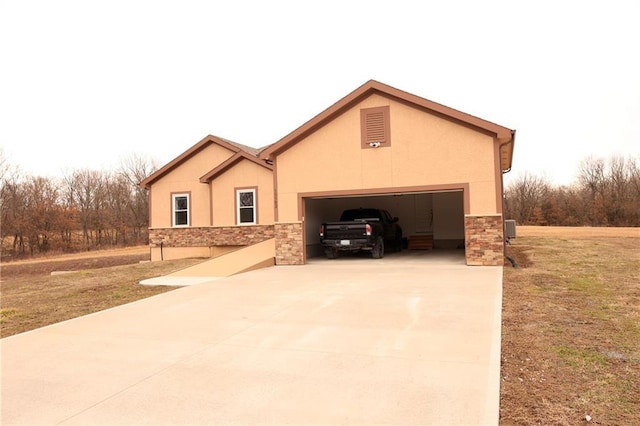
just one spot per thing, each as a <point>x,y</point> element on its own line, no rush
<point>368,229</point>
<point>321,231</point>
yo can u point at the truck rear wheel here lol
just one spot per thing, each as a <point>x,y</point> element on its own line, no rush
<point>378,249</point>
<point>398,242</point>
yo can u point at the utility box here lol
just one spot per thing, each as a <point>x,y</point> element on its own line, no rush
<point>509,229</point>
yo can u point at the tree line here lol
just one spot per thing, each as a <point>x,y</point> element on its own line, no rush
<point>605,193</point>
<point>83,210</point>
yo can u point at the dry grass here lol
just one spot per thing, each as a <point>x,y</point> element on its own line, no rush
<point>579,232</point>
<point>32,297</point>
<point>571,327</point>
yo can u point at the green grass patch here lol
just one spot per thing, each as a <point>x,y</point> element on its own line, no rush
<point>586,284</point>
<point>581,357</point>
<point>5,314</point>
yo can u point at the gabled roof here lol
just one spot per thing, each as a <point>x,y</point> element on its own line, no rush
<point>504,135</point>
<point>245,148</point>
<point>229,163</point>
<point>225,143</point>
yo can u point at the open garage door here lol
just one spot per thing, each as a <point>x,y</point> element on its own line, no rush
<point>437,216</point>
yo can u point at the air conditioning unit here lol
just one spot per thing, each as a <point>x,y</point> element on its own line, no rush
<point>509,229</point>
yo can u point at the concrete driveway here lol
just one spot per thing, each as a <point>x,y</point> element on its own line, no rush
<point>403,340</point>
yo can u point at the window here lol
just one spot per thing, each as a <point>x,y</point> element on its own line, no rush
<point>246,206</point>
<point>374,125</point>
<point>180,209</point>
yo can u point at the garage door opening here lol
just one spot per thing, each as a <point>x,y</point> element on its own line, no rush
<point>435,218</point>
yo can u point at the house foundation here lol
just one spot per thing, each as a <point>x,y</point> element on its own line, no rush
<point>204,241</point>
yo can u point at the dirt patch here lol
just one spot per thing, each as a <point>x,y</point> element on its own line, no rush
<point>47,266</point>
<point>53,257</point>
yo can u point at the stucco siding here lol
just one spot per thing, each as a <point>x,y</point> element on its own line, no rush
<point>245,174</point>
<point>425,150</point>
<point>185,178</point>
<point>482,198</point>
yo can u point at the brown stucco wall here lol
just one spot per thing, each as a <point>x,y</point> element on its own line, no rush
<point>185,178</point>
<point>484,239</point>
<point>245,174</point>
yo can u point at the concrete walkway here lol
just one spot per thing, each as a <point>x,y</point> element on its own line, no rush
<point>355,341</point>
<point>256,256</point>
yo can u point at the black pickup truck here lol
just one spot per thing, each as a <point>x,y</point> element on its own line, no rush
<point>361,229</point>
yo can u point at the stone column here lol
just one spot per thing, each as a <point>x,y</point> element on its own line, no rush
<point>289,246</point>
<point>484,240</point>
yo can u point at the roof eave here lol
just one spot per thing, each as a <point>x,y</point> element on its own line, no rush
<point>507,158</point>
<point>147,182</point>
<point>317,121</point>
<point>231,162</point>
<point>369,88</point>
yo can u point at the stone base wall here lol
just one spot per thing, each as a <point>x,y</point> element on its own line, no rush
<point>210,236</point>
<point>289,248</point>
<point>484,240</point>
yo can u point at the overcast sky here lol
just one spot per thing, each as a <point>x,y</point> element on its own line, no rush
<point>87,83</point>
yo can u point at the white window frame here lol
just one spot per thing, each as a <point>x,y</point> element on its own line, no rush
<point>174,210</point>
<point>239,207</point>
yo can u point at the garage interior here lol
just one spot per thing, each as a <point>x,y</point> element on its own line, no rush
<point>437,215</point>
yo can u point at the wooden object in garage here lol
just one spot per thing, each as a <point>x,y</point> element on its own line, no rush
<point>421,242</point>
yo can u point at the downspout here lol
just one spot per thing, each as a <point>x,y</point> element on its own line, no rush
<point>505,243</point>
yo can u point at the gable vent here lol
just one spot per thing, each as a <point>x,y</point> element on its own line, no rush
<point>375,127</point>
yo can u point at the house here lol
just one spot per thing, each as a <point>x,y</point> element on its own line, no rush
<point>438,169</point>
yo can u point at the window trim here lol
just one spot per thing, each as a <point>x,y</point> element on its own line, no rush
<point>175,195</point>
<point>364,115</point>
<point>254,191</point>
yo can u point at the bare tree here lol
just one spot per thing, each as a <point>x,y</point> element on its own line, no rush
<point>592,175</point>
<point>82,188</point>
<point>118,194</point>
<point>5,184</point>
<point>5,166</point>
<point>13,211</point>
<point>524,198</point>
<point>634,176</point>
<point>610,189</point>
<point>42,210</point>
<point>135,169</point>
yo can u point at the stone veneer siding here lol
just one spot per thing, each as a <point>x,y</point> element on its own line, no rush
<point>210,236</point>
<point>289,247</point>
<point>484,240</point>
